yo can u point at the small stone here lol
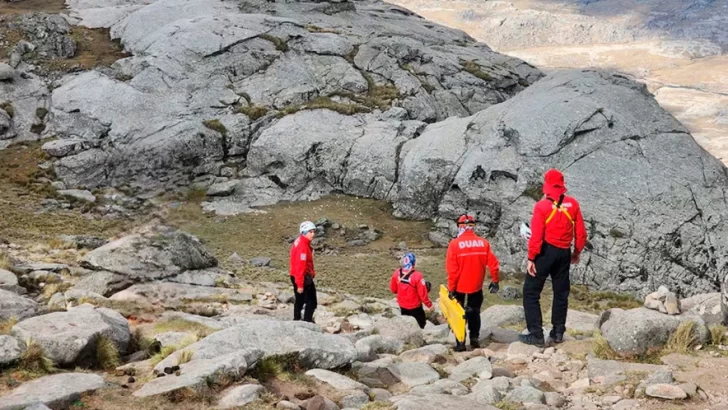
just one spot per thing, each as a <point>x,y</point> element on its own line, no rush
<point>518,348</point>
<point>260,261</point>
<point>525,394</point>
<point>223,188</point>
<point>287,405</point>
<point>672,305</point>
<point>510,293</point>
<point>79,194</point>
<point>691,389</point>
<point>131,380</point>
<point>580,384</point>
<point>554,399</point>
<point>6,72</point>
<point>626,405</point>
<point>666,391</point>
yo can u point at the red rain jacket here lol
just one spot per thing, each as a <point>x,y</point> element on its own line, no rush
<point>563,227</point>
<point>301,263</point>
<point>411,291</point>
<point>467,257</point>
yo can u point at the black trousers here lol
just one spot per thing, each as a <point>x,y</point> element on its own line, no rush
<point>471,302</point>
<point>307,299</point>
<point>554,262</point>
<point>417,313</point>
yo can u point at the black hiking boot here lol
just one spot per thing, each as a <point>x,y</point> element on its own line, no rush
<point>474,343</point>
<point>460,347</point>
<point>557,337</point>
<point>531,339</point>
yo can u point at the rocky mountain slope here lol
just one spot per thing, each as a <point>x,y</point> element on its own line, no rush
<point>264,102</point>
<point>677,47</point>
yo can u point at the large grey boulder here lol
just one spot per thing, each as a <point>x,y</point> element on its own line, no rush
<point>7,73</point>
<point>104,283</point>
<point>70,337</point>
<point>26,94</point>
<point>15,306</point>
<point>634,332</point>
<point>8,280</point>
<point>414,374</point>
<point>436,402</point>
<point>404,328</point>
<point>157,254</point>
<point>10,349</point>
<point>707,305</point>
<point>372,56</point>
<point>307,342</point>
<point>370,346</point>
<point>58,391</point>
<point>196,373</point>
<point>479,367</point>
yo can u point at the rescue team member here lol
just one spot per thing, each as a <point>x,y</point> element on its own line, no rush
<point>467,257</point>
<point>411,289</point>
<point>556,222</point>
<point>302,273</point>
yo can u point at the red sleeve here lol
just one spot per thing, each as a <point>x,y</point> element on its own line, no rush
<point>422,291</point>
<point>493,265</point>
<point>580,232</point>
<point>452,268</point>
<point>538,227</point>
<point>393,283</point>
<point>299,261</point>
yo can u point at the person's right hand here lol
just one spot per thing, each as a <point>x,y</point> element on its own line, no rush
<point>575,259</point>
<point>299,290</point>
<point>451,294</point>
<point>531,268</point>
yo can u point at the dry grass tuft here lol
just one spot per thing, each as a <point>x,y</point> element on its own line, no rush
<point>166,351</point>
<point>182,325</point>
<point>602,349</point>
<point>34,359</point>
<point>253,112</point>
<point>185,357</point>
<point>107,354</point>
<point>683,339</point>
<point>507,405</point>
<point>7,325</point>
<point>274,366</point>
<point>473,68</point>
<point>717,334</point>
<point>378,405</point>
<point>215,125</point>
<point>5,261</point>
<point>281,44</point>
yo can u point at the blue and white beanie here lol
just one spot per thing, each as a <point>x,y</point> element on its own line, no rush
<point>408,262</point>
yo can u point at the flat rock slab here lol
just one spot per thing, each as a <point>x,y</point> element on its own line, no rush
<point>313,348</point>
<point>69,337</point>
<point>518,348</point>
<point>240,396</point>
<point>436,402</point>
<point>78,194</point>
<point>609,372</point>
<point>581,321</point>
<point>479,367</point>
<point>15,306</point>
<point>526,394</point>
<point>10,349</point>
<point>442,386</point>
<point>195,373</point>
<point>7,278</point>
<point>404,328</point>
<point>173,294</point>
<point>336,380</point>
<point>666,391</point>
<point>426,354</point>
<point>413,374</point>
<point>56,391</point>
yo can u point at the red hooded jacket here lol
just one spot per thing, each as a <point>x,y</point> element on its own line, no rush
<point>301,263</point>
<point>467,257</point>
<point>411,292</point>
<point>564,226</point>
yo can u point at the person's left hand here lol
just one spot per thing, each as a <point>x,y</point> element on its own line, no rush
<point>493,287</point>
<point>531,268</point>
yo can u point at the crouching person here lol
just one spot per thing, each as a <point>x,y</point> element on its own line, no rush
<point>411,289</point>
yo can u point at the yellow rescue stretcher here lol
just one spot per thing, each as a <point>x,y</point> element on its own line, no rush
<point>454,313</point>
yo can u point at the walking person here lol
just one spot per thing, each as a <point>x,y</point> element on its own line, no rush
<point>556,223</point>
<point>411,289</point>
<point>468,256</point>
<point>303,274</point>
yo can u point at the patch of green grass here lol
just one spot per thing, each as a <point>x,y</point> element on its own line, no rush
<point>616,233</point>
<point>281,45</point>
<point>378,405</point>
<point>8,107</point>
<point>182,325</point>
<point>518,327</point>
<point>325,103</point>
<point>684,338</point>
<point>274,366</point>
<point>507,405</point>
<point>580,333</point>
<point>215,125</point>
<point>107,355</point>
<point>581,298</point>
<point>7,325</point>
<point>473,68</point>
<point>602,349</point>
<point>163,354</point>
<point>717,334</point>
<point>34,359</point>
<point>141,343</point>
<point>253,112</point>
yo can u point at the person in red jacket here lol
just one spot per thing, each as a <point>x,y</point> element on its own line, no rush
<point>556,222</point>
<point>468,255</point>
<point>302,273</point>
<point>411,289</point>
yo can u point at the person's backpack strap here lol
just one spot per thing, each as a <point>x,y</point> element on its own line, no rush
<point>405,278</point>
<point>557,207</point>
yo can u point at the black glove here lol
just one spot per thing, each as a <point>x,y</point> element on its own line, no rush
<point>493,287</point>
<point>428,285</point>
<point>451,294</point>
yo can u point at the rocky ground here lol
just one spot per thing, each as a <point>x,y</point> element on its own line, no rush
<point>150,320</point>
<point>678,48</point>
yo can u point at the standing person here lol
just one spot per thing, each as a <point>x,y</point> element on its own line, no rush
<point>302,273</point>
<point>556,222</point>
<point>468,255</point>
<point>411,289</point>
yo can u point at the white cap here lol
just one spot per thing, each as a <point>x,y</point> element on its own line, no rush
<point>307,226</point>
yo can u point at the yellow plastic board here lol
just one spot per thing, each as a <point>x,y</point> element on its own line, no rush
<point>454,313</point>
